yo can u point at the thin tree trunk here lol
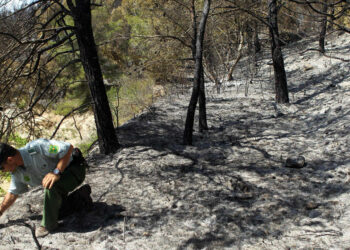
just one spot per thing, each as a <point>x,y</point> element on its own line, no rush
<point>239,56</point>
<point>212,76</point>
<point>257,45</point>
<point>187,139</point>
<point>201,95</point>
<point>321,41</point>
<point>332,17</point>
<point>281,87</point>
<point>107,137</point>
<point>203,125</point>
<point>194,29</point>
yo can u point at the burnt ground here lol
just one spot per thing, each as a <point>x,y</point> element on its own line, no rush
<point>231,189</point>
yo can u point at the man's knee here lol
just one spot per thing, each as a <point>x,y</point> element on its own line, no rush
<point>54,191</point>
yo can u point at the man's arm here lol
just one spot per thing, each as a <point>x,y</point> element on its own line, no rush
<point>63,162</point>
<point>9,199</point>
<point>51,178</point>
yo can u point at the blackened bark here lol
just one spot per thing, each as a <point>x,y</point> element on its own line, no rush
<point>203,125</point>
<point>187,139</point>
<point>81,14</point>
<point>201,95</point>
<point>194,29</point>
<point>332,17</point>
<point>323,30</point>
<point>281,87</point>
<point>257,45</point>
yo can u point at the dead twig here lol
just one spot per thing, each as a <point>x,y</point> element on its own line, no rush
<point>76,126</point>
<point>124,229</point>
<point>32,229</point>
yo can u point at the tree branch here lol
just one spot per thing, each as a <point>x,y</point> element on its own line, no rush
<point>66,116</point>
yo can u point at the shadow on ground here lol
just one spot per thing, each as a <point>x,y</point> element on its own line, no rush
<point>100,216</point>
<point>237,187</point>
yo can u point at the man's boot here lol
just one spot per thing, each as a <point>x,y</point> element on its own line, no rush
<point>84,198</point>
<point>77,201</point>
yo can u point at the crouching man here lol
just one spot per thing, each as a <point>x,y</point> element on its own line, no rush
<point>52,164</point>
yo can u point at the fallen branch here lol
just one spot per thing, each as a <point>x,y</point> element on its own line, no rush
<point>21,222</point>
<point>32,229</point>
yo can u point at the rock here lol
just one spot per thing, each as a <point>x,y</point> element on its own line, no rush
<point>295,162</point>
<point>278,114</point>
<point>311,205</point>
<point>158,91</point>
<point>314,214</point>
<point>308,67</point>
<point>338,109</point>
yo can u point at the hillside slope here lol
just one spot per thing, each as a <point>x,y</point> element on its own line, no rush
<point>230,190</point>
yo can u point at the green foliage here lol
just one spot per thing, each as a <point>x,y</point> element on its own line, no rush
<point>112,93</point>
<point>66,106</point>
<point>130,98</point>
<point>5,176</point>
<point>17,141</point>
<point>345,18</point>
<point>77,95</point>
<point>21,103</point>
<point>2,192</point>
<point>113,49</point>
<point>85,146</point>
<point>137,90</point>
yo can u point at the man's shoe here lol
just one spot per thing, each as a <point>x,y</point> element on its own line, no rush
<point>41,232</point>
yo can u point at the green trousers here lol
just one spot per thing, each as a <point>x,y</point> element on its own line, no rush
<point>70,179</point>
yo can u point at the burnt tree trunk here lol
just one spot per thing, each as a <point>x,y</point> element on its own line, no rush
<point>281,87</point>
<point>187,139</point>
<point>323,30</point>
<point>257,45</point>
<point>201,96</point>
<point>81,14</point>
<point>203,125</point>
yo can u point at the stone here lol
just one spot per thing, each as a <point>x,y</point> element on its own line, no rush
<point>295,162</point>
<point>311,205</point>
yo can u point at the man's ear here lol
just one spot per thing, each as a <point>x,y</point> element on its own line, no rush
<point>10,159</point>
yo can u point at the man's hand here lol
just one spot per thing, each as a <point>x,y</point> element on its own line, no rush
<point>9,199</point>
<point>49,180</point>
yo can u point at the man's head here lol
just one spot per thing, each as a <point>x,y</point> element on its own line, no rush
<point>8,162</point>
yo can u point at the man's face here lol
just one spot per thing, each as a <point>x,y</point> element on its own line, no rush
<point>9,165</point>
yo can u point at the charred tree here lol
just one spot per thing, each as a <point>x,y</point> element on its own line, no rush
<point>201,95</point>
<point>281,87</point>
<point>323,30</point>
<point>187,139</point>
<point>37,35</point>
<point>257,45</point>
<point>203,125</point>
<point>81,13</point>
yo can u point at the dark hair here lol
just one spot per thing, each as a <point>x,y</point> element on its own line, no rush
<point>6,151</point>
